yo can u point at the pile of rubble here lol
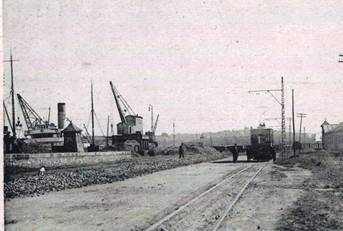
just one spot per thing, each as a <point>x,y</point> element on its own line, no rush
<point>56,180</point>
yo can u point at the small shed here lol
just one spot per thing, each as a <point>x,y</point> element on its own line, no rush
<point>72,139</point>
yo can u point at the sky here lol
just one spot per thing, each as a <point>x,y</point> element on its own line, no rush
<point>194,61</point>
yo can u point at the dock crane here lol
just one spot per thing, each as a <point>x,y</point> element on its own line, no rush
<point>124,109</point>
<point>130,128</point>
<point>131,123</point>
<point>31,117</point>
<point>153,132</point>
<point>156,121</point>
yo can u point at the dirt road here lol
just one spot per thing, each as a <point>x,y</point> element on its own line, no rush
<point>31,184</point>
<point>190,198</point>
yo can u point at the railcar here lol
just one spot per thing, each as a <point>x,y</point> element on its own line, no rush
<point>261,147</point>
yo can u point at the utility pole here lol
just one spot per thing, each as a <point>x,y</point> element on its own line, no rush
<point>151,109</point>
<point>293,122</point>
<point>282,104</point>
<point>283,121</point>
<point>112,130</point>
<point>290,130</point>
<point>108,127</point>
<point>340,58</point>
<point>12,94</point>
<point>304,138</point>
<point>174,134</point>
<point>301,116</point>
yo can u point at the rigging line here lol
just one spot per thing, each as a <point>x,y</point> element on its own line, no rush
<point>127,105</point>
<point>89,118</point>
<point>8,97</point>
<point>96,117</point>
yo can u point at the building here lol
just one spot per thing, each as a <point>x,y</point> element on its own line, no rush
<point>332,136</point>
<point>72,139</point>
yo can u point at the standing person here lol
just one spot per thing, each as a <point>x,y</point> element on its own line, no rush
<point>181,151</point>
<point>235,153</point>
<point>42,171</point>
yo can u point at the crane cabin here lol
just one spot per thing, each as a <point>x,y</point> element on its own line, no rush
<point>133,124</point>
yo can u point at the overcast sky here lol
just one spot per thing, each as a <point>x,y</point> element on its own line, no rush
<point>193,60</point>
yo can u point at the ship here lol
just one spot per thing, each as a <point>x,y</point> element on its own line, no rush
<point>41,131</point>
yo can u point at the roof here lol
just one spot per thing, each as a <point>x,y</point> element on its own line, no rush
<point>329,127</point>
<point>72,128</point>
<point>325,123</point>
<point>338,128</point>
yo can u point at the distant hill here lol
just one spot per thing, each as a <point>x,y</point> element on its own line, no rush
<point>227,137</point>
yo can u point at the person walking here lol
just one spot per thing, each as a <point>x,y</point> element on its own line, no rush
<point>181,151</point>
<point>235,153</point>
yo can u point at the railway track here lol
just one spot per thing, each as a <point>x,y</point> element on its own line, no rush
<point>208,210</point>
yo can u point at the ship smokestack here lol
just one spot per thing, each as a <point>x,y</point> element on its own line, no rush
<point>61,108</point>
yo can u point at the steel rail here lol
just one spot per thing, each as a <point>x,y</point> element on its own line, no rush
<point>219,222</point>
<point>166,218</point>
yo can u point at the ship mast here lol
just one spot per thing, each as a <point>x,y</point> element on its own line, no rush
<point>12,95</point>
<point>49,115</point>
<point>92,105</point>
<point>8,117</point>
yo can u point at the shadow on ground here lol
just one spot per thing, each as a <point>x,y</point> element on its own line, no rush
<point>238,161</point>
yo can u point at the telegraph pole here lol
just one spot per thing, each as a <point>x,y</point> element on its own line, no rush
<point>283,121</point>
<point>174,134</point>
<point>301,116</point>
<point>293,122</point>
<point>282,104</point>
<point>290,130</point>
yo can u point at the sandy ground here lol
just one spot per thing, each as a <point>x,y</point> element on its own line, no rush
<point>125,205</point>
<point>281,197</point>
<point>266,199</point>
<point>321,205</point>
<point>203,214</point>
